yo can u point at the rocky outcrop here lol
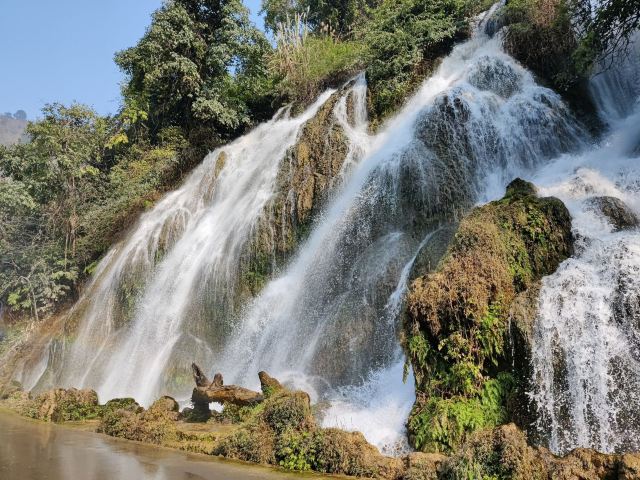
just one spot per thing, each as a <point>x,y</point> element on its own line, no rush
<point>307,173</point>
<point>503,452</point>
<point>282,431</point>
<point>616,211</point>
<point>458,315</point>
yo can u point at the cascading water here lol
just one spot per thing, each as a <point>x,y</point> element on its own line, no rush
<point>329,322</point>
<point>586,344</point>
<point>185,252</point>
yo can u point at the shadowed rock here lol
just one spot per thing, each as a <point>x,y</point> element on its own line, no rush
<point>618,212</point>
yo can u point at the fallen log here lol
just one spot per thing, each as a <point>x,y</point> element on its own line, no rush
<point>207,392</point>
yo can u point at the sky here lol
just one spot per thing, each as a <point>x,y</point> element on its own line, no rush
<point>62,50</point>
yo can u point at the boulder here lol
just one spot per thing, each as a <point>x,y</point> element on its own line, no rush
<point>616,211</point>
<point>60,405</point>
<point>423,466</point>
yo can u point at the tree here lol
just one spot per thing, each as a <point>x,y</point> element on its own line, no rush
<point>44,186</point>
<point>338,17</point>
<point>199,63</point>
<point>20,115</point>
<point>607,29</point>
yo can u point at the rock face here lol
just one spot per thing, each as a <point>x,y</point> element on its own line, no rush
<point>459,315</point>
<point>306,175</point>
<point>618,212</point>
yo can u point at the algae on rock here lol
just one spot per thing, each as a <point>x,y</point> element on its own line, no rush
<point>458,316</point>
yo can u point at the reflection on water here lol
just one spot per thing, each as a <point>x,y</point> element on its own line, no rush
<point>36,451</point>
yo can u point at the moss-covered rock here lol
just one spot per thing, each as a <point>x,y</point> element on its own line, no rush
<point>458,315</point>
<point>60,405</point>
<point>501,453</point>
<point>156,425</point>
<point>307,173</point>
<point>122,404</point>
<point>423,466</point>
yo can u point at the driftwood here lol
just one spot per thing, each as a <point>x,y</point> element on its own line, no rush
<point>207,391</point>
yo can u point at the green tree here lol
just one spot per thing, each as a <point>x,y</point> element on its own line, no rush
<point>44,186</point>
<point>199,63</point>
<point>607,29</point>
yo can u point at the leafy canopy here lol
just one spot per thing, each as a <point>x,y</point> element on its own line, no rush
<point>200,62</point>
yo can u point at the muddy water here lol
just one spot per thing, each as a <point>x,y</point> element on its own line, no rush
<point>38,451</point>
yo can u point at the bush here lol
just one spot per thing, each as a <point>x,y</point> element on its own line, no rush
<point>308,63</point>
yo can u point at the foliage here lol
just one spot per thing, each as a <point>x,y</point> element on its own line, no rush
<point>440,424</point>
<point>319,42</point>
<point>405,37</point>
<point>459,313</point>
<point>296,451</point>
<point>547,24</point>
<point>305,64</point>
<point>607,28</point>
<point>199,64</point>
<point>45,186</point>
<point>336,16</point>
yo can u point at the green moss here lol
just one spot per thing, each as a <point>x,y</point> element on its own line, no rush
<point>440,424</point>
<point>458,315</point>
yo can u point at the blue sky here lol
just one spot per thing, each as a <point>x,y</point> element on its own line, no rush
<point>62,50</point>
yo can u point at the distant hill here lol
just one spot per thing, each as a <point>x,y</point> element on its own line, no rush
<point>12,127</point>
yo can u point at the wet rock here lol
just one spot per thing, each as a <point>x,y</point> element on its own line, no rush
<point>618,212</point>
<point>306,175</point>
<point>496,76</point>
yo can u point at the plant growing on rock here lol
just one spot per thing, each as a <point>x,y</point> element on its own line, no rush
<point>458,315</point>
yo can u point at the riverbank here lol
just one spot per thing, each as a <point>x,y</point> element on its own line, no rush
<point>34,450</point>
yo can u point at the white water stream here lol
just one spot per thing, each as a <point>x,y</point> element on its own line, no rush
<point>586,352</point>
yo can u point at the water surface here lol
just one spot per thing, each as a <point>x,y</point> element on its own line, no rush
<point>38,451</point>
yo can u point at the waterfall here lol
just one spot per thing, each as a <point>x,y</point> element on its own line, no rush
<point>183,254</point>
<point>328,321</point>
<point>586,342</point>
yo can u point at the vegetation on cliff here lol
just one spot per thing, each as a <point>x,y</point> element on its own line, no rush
<point>458,315</point>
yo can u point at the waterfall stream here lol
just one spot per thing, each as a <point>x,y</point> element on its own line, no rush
<point>328,322</point>
<point>586,344</point>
